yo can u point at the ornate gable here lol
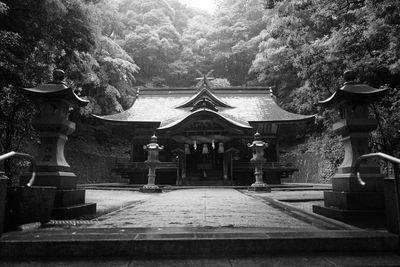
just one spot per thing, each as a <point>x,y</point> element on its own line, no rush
<point>204,103</point>
<point>204,97</point>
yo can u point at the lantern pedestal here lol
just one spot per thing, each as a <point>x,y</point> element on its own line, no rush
<point>54,101</point>
<point>258,160</point>
<point>152,161</point>
<point>350,201</point>
<point>151,187</point>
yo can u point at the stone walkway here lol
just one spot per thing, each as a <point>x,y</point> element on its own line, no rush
<point>200,208</point>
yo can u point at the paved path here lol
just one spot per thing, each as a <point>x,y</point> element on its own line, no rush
<point>200,208</point>
<point>110,200</point>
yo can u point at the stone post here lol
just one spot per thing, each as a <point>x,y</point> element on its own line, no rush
<point>258,160</point>
<point>152,162</point>
<point>3,192</point>
<point>350,201</point>
<point>54,101</point>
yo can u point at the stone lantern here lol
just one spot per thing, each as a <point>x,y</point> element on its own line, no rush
<point>54,100</point>
<point>349,200</point>
<point>258,160</point>
<point>152,162</point>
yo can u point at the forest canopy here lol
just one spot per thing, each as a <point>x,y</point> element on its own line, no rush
<point>107,47</point>
<point>299,48</point>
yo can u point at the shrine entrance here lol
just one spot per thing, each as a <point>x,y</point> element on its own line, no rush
<point>204,163</point>
<point>203,146</point>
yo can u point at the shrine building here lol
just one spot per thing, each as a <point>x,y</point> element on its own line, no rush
<point>205,132</point>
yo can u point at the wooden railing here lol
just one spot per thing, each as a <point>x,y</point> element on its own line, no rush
<point>273,166</point>
<point>137,166</point>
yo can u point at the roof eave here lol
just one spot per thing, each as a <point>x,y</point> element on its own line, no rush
<point>108,120</point>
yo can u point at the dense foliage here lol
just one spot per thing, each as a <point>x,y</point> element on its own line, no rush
<point>108,47</point>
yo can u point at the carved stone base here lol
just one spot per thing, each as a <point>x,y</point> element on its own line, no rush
<point>150,189</point>
<point>360,218</point>
<point>74,211</point>
<point>69,202</point>
<point>259,187</point>
<point>61,180</point>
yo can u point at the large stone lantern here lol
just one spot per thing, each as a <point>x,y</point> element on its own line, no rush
<point>54,100</point>
<point>152,162</point>
<point>350,200</point>
<point>258,160</point>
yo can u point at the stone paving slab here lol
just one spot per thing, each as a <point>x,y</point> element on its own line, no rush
<point>110,200</point>
<point>200,208</point>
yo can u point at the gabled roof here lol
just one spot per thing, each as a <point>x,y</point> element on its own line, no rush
<point>239,104</point>
<point>203,93</point>
<point>212,113</point>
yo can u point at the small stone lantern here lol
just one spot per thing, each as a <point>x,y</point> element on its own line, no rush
<point>258,160</point>
<point>349,200</point>
<point>54,100</point>
<point>152,162</point>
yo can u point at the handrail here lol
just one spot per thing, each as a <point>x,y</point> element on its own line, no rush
<point>372,155</point>
<point>23,155</point>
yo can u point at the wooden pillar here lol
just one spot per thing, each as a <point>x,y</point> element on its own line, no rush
<point>231,166</point>
<point>278,154</point>
<point>225,166</point>
<point>183,182</point>
<point>132,154</point>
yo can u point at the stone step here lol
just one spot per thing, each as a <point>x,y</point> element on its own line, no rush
<point>144,242</point>
<point>205,183</point>
<point>74,211</point>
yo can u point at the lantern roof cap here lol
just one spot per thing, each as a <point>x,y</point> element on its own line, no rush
<point>56,89</point>
<point>351,91</point>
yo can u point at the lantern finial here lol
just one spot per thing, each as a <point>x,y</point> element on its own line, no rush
<point>58,75</point>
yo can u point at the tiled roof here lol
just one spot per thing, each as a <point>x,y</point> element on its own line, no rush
<point>56,90</point>
<point>247,105</point>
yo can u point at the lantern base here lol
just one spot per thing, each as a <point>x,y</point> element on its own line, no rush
<point>150,189</point>
<point>69,202</point>
<point>360,218</point>
<point>61,180</point>
<point>75,211</point>
<point>259,188</point>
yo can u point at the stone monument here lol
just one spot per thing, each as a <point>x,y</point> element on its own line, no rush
<point>258,160</point>
<point>54,100</point>
<point>350,200</point>
<point>152,162</point>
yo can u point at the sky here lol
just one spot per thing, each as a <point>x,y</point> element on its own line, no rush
<point>207,5</point>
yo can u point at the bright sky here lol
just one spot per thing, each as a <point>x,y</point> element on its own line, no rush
<point>207,5</point>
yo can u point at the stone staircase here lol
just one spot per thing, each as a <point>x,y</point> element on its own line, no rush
<point>214,178</point>
<point>129,242</point>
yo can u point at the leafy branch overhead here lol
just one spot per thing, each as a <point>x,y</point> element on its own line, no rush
<point>108,48</point>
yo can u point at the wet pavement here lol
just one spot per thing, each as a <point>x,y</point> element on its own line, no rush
<point>200,208</point>
<point>222,222</point>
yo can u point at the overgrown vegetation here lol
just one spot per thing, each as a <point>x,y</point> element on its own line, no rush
<point>108,47</point>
